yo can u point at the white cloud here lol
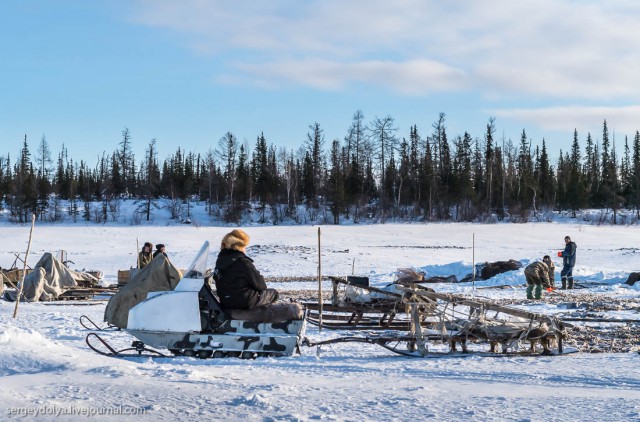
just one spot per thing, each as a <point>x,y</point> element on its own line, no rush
<point>623,120</point>
<point>545,49</point>
<point>412,77</point>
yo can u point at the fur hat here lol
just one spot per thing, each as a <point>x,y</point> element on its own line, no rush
<point>237,239</point>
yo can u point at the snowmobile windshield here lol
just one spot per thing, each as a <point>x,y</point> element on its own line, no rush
<point>198,266</point>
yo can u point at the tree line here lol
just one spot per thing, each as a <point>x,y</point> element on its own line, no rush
<point>372,172</point>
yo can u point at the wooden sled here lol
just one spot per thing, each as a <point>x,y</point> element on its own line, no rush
<point>422,320</point>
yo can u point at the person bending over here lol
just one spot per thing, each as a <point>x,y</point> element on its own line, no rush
<point>537,275</point>
<point>552,270</point>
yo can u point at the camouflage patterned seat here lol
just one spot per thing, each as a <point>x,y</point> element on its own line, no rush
<point>276,312</point>
<point>213,314</point>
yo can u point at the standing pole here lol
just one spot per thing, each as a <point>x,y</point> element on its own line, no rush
<point>473,260</point>
<point>24,270</point>
<point>137,252</point>
<point>319,284</point>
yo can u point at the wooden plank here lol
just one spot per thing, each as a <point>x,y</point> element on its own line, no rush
<point>481,304</point>
<point>123,276</point>
<point>431,296</point>
<point>366,308</point>
<point>586,319</point>
<point>14,275</point>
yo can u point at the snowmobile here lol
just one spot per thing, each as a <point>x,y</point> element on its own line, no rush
<point>189,321</point>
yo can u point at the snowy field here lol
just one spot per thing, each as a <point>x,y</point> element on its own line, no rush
<point>46,367</point>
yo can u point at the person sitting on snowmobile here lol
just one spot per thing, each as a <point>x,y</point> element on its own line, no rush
<point>238,282</point>
<point>537,275</point>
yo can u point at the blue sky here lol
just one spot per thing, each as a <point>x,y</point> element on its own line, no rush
<point>186,72</point>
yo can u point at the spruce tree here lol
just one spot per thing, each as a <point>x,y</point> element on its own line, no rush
<point>545,179</point>
<point>575,187</point>
<point>635,174</point>
<point>335,183</point>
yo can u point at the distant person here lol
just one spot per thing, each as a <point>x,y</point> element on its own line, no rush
<point>537,275</point>
<point>160,249</point>
<point>238,282</point>
<point>552,270</point>
<point>144,256</point>
<point>568,262</point>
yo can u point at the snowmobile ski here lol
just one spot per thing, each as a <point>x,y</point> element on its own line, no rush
<point>138,346</point>
<point>88,323</point>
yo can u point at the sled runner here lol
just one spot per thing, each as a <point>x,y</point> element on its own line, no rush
<point>406,346</point>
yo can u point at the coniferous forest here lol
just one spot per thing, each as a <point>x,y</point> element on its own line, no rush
<point>373,173</point>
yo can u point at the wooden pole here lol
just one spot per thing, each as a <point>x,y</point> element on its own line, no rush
<point>15,262</point>
<point>319,284</point>
<point>24,271</point>
<point>473,260</point>
<point>137,252</point>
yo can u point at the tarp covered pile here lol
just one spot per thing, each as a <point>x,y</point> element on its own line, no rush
<point>633,278</point>
<point>49,279</point>
<point>160,275</point>
<point>490,269</point>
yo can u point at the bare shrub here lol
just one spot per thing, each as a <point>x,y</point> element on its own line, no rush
<point>488,218</point>
<point>136,218</point>
<point>98,213</point>
<point>114,209</point>
<point>312,214</point>
<point>174,205</point>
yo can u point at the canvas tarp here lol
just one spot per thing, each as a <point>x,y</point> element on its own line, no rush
<point>160,275</point>
<point>490,269</point>
<point>49,279</point>
<point>633,278</point>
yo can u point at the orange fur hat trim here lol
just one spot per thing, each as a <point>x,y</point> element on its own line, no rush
<point>237,239</point>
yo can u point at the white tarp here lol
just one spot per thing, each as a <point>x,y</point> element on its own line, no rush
<point>49,279</point>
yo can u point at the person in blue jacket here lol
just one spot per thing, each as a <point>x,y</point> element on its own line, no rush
<point>568,262</point>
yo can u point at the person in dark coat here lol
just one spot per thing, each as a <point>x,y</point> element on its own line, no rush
<point>537,275</point>
<point>568,262</point>
<point>144,256</point>
<point>552,270</point>
<point>238,282</point>
<point>160,249</point>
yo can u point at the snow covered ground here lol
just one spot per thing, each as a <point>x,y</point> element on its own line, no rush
<point>46,367</point>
